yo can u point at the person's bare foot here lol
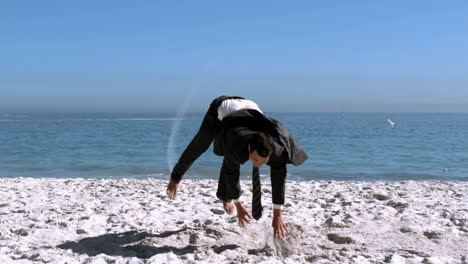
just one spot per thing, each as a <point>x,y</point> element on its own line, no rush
<point>228,207</point>
<point>172,189</point>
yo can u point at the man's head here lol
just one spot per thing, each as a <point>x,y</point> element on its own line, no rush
<point>260,149</point>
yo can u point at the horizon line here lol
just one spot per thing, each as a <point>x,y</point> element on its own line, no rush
<point>7,113</point>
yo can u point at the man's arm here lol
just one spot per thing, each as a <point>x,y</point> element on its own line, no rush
<point>278,181</point>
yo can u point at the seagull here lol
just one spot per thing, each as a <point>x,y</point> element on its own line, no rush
<point>391,123</point>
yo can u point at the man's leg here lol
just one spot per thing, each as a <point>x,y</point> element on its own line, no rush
<point>197,146</point>
<point>229,185</point>
<point>200,143</point>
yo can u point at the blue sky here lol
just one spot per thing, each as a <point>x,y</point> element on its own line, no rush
<point>149,56</point>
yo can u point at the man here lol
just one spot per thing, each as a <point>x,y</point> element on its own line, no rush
<point>242,132</point>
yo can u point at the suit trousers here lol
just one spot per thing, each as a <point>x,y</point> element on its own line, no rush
<point>228,185</point>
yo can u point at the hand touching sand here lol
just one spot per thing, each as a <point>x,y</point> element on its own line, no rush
<point>279,227</point>
<point>172,189</point>
<point>242,214</point>
<point>228,207</point>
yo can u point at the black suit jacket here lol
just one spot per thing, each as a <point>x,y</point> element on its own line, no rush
<point>234,133</point>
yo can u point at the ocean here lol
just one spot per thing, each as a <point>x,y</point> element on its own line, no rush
<point>341,146</point>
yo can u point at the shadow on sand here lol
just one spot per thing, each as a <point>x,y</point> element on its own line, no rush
<point>128,244</point>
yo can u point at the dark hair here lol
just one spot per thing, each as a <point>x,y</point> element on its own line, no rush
<point>262,143</point>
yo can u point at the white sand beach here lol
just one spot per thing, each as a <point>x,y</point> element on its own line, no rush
<point>133,221</point>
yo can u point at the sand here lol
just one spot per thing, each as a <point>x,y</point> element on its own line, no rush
<point>133,221</point>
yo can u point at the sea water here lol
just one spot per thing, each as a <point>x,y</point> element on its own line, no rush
<point>341,146</point>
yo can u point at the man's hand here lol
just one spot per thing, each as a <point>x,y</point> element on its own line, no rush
<point>172,189</point>
<point>242,214</point>
<point>279,227</point>
<point>228,207</point>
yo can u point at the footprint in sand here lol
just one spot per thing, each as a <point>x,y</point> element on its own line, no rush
<point>432,235</point>
<point>217,211</point>
<point>337,239</point>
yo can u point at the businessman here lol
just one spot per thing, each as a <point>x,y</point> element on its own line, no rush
<point>241,132</point>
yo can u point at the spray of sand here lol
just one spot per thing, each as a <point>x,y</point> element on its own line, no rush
<point>171,155</point>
